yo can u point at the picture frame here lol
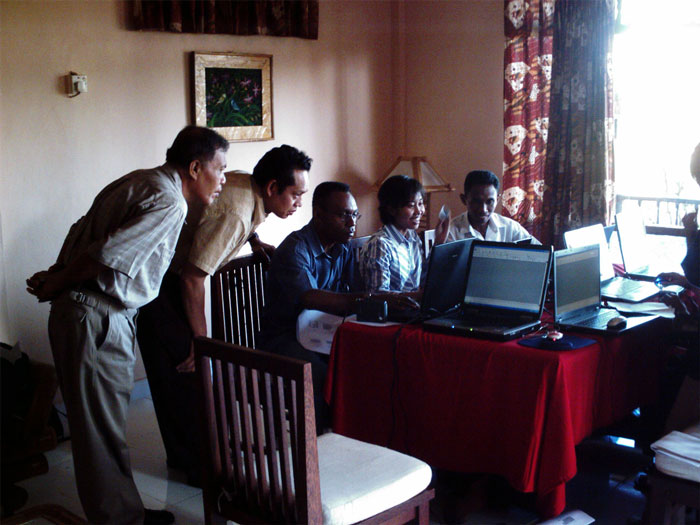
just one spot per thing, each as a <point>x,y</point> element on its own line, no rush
<point>233,95</point>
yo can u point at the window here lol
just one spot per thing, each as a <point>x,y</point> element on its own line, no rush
<point>657,87</point>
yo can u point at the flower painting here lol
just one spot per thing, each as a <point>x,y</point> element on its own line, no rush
<point>233,95</point>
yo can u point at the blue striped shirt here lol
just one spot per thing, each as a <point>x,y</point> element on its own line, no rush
<point>391,262</point>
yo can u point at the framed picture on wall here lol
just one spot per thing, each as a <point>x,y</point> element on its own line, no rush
<point>233,95</point>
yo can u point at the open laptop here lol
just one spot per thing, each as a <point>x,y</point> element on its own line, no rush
<point>445,279</point>
<point>612,286</point>
<point>634,246</point>
<point>577,293</point>
<point>504,294</point>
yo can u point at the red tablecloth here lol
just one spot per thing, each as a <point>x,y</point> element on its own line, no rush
<point>473,405</point>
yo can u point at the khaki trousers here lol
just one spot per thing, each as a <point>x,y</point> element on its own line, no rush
<point>92,340</point>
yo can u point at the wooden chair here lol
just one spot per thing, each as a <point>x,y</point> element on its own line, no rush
<point>264,464</point>
<point>357,243</point>
<point>428,241</point>
<point>237,300</point>
<point>674,482</point>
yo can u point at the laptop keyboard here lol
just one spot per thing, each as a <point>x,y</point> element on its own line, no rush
<point>599,320</point>
<point>624,286</point>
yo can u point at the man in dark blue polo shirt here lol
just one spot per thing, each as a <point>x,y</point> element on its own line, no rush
<point>313,269</point>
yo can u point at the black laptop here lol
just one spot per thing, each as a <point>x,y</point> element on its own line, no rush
<point>504,294</point>
<point>577,293</point>
<point>445,279</point>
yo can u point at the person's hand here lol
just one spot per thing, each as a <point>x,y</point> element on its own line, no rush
<point>46,285</point>
<point>690,222</point>
<point>674,301</point>
<point>668,278</point>
<point>442,228</point>
<point>397,301</point>
<point>188,364</point>
<point>263,250</point>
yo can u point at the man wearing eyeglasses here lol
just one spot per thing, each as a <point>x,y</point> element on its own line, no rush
<point>313,269</point>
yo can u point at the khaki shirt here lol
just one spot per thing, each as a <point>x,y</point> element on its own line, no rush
<point>226,224</point>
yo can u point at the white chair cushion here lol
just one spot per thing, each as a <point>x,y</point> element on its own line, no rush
<point>678,454</point>
<point>359,480</point>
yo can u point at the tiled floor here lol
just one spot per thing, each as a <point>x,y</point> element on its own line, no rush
<point>603,488</point>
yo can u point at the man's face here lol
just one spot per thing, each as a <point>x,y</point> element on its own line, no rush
<point>286,203</point>
<point>209,177</point>
<point>408,217</point>
<point>480,203</point>
<point>338,218</point>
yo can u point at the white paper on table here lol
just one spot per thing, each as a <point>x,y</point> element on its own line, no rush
<point>644,308</point>
<point>315,330</point>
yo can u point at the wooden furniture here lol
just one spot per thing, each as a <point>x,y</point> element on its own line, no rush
<point>264,464</point>
<point>237,300</point>
<point>668,497</point>
<point>428,241</point>
<point>357,243</point>
<point>472,405</point>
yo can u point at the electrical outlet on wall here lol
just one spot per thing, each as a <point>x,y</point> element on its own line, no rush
<point>76,84</point>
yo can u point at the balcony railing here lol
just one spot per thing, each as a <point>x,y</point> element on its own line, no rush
<point>662,215</point>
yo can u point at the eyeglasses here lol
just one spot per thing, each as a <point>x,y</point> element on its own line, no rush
<point>346,215</point>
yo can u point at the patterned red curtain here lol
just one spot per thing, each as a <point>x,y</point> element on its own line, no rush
<point>528,66</point>
<point>579,169</point>
<point>241,17</point>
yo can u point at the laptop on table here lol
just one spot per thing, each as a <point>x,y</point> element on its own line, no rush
<point>639,261</point>
<point>577,293</point>
<point>611,286</point>
<point>445,279</point>
<point>504,292</point>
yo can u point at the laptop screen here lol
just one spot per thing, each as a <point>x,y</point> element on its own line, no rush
<point>496,268</point>
<point>633,244</point>
<point>576,282</point>
<point>587,236</point>
<point>446,277</point>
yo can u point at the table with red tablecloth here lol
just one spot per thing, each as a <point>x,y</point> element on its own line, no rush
<point>473,405</point>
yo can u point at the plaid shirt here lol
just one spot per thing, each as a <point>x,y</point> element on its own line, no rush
<point>391,262</point>
<point>132,228</point>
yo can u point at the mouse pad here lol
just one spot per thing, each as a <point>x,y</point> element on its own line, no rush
<point>568,342</point>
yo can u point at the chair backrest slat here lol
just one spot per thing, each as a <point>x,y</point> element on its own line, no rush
<point>259,439</point>
<point>276,499</point>
<point>238,298</point>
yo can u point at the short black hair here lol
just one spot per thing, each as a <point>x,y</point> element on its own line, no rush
<point>480,178</point>
<point>279,164</point>
<point>396,192</point>
<point>325,189</point>
<point>195,143</point>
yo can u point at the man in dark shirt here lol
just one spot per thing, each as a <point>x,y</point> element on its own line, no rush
<point>313,269</point>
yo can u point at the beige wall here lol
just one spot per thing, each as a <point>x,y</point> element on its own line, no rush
<point>454,91</point>
<point>381,76</point>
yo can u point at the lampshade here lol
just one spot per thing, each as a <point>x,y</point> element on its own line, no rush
<point>417,168</point>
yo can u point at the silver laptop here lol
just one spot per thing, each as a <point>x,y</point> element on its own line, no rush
<point>504,294</point>
<point>640,262</point>
<point>577,293</point>
<point>612,286</point>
